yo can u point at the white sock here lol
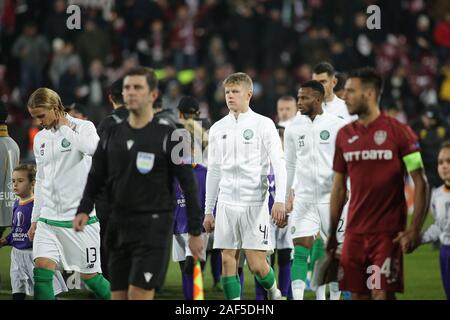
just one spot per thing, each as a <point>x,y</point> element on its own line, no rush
<point>298,289</point>
<point>335,294</point>
<point>272,291</point>
<point>321,292</point>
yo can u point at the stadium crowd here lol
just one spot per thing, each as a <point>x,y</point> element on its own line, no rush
<point>194,45</point>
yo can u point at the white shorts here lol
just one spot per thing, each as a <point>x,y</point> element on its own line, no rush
<point>281,237</point>
<point>72,251</point>
<point>308,219</point>
<point>180,247</point>
<point>242,227</point>
<point>21,272</point>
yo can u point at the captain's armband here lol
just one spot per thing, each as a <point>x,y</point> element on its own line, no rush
<point>413,161</point>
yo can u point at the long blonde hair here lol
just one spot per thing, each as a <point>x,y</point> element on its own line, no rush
<point>195,129</point>
<point>45,98</point>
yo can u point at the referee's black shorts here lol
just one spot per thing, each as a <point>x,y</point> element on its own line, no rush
<point>137,249</point>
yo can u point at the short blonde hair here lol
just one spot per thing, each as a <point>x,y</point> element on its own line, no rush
<point>239,78</point>
<point>45,98</point>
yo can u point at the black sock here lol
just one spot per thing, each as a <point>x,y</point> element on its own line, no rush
<point>19,296</point>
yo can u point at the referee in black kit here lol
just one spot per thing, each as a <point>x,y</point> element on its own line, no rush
<point>135,162</point>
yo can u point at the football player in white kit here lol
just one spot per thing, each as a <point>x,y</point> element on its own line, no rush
<point>242,145</point>
<point>325,73</point>
<point>63,152</point>
<point>309,144</point>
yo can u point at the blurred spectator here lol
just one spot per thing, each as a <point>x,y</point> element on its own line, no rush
<point>442,35</point>
<point>314,46</point>
<point>432,131</point>
<point>362,43</point>
<point>92,44</point>
<point>93,92</point>
<point>55,23</point>
<point>339,88</point>
<point>78,111</point>
<point>216,54</point>
<point>216,94</point>
<point>182,39</point>
<point>395,112</point>
<point>243,33</point>
<point>5,90</point>
<point>444,87</point>
<point>279,84</point>
<point>69,83</point>
<point>153,49</point>
<point>32,132</point>
<point>172,95</point>
<point>286,110</point>
<point>64,58</point>
<point>422,40</point>
<point>32,50</point>
<point>275,40</point>
<point>397,91</point>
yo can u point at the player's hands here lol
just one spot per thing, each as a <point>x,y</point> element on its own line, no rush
<point>3,242</point>
<point>32,231</point>
<point>408,240</point>
<point>196,245</point>
<point>332,245</point>
<point>61,120</point>
<point>208,223</point>
<point>80,221</point>
<point>279,214</point>
<point>290,202</point>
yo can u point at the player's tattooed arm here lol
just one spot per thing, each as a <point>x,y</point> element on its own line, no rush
<point>337,202</point>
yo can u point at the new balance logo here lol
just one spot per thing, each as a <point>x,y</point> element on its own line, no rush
<point>352,139</point>
<point>148,276</point>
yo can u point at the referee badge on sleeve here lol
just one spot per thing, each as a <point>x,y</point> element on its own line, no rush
<point>145,161</point>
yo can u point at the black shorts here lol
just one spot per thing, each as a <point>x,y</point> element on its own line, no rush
<point>137,248</point>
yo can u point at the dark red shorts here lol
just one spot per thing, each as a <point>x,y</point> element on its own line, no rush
<point>371,261</point>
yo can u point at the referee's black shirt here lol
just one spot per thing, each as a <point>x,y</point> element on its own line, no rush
<point>136,166</point>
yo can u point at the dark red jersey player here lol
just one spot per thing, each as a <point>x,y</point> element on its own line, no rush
<point>376,152</point>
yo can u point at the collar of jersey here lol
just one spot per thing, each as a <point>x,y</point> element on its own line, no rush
<point>26,202</point>
<point>242,116</point>
<point>316,119</point>
<point>380,117</point>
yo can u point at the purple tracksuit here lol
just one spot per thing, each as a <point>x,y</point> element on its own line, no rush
<point>180,225</point>
<point>21,223</point>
